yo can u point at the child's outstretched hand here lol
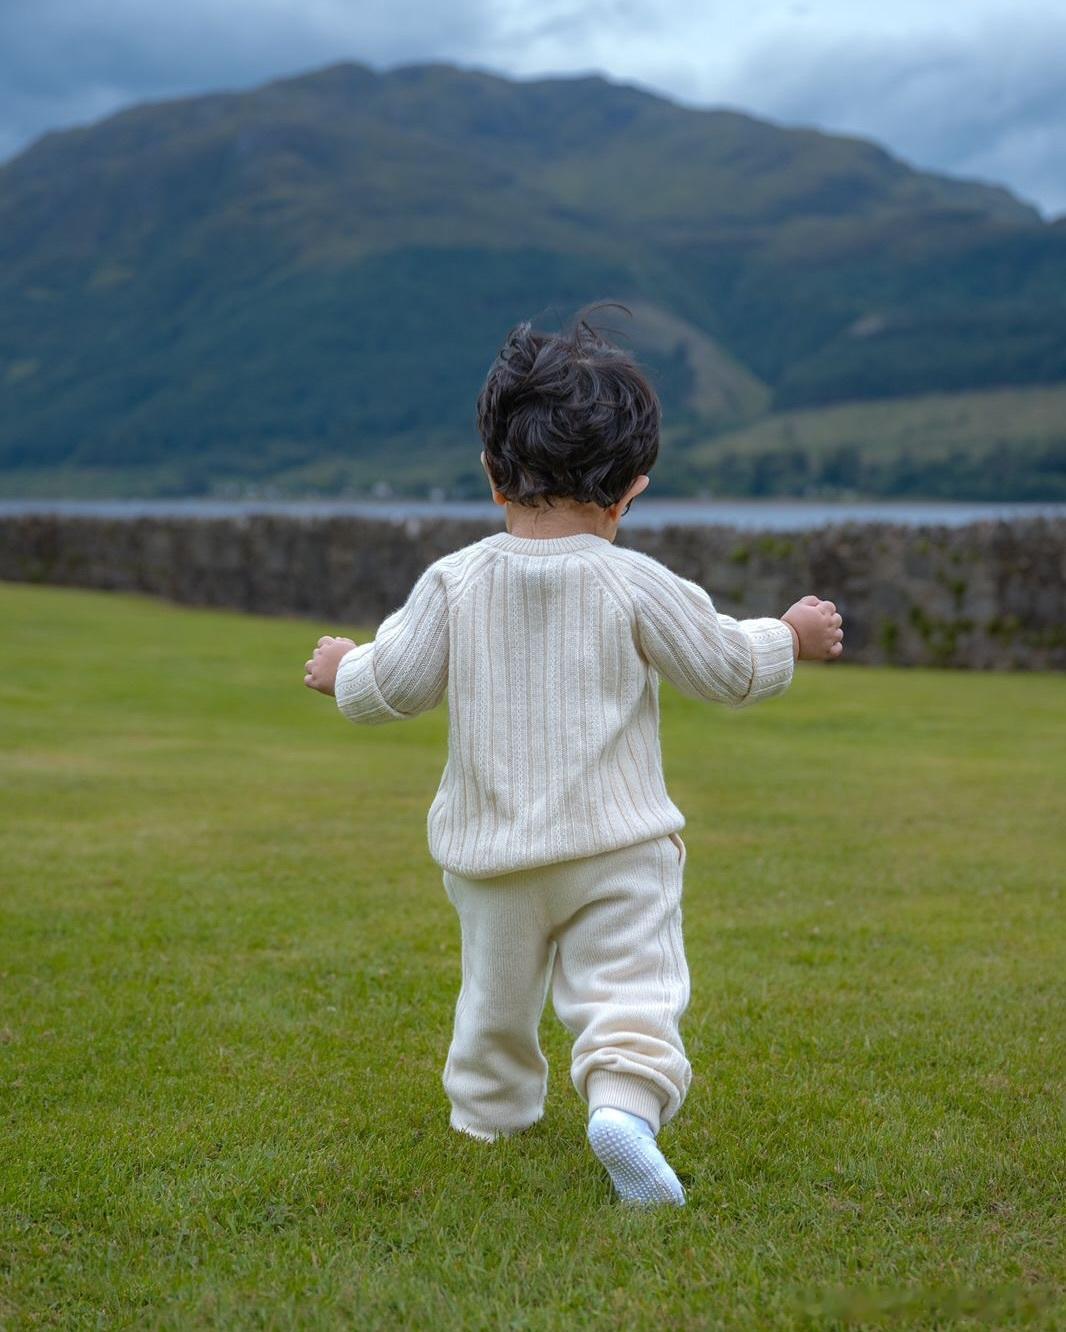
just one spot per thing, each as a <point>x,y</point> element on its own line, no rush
<point>817,626</point>
<point>321,667</point>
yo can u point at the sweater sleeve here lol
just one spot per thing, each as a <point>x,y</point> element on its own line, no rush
<point>703,653</point>
<point>404,670</point>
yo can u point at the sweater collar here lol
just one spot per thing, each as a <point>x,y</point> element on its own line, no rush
<point>560,545</point>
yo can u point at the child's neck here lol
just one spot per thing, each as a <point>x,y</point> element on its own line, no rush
<point>543,523</point>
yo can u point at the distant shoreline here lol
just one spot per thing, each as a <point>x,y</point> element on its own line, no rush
<point>752,514</point>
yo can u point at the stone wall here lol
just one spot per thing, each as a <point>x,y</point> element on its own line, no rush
<point>985,595</point>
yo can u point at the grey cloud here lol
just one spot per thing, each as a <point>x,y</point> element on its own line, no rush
<point>989,106</point>
<point>569,25</point>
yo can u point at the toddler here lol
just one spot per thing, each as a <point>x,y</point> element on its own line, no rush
<point>559,845</point>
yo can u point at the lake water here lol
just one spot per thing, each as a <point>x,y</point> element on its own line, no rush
<point>775,515</point>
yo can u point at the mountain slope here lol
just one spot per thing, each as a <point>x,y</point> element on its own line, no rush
<point>324,266</point>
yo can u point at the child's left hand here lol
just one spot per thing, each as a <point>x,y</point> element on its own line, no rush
<point>321,668</point>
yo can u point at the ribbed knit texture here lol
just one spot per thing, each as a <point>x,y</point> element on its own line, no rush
<point>550,652</point>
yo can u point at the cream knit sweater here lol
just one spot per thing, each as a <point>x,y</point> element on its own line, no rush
<point>550,651</point>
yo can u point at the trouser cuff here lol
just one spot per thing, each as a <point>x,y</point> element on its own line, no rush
<point>485,1133</point>
<point>624,1091</point>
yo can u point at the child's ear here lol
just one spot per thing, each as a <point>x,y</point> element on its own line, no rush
<point>639,486</point>
<point>497,497</point>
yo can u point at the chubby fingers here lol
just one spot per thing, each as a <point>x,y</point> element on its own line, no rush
<point>310,664</point>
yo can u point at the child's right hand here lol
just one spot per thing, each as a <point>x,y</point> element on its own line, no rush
<point>817,625</point>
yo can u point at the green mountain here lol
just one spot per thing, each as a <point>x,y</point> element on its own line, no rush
<point>306,283</point>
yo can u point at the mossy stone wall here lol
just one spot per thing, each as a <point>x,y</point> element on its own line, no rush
<point>990,594</point>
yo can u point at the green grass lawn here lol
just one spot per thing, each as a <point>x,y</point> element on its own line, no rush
<point>228,970</point>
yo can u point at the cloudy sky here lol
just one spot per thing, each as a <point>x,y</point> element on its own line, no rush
<point>976,88</point>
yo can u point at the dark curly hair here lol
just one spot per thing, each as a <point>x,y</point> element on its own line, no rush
<point>567,416</point>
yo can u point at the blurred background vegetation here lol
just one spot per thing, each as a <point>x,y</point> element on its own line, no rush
<point>306,283</point>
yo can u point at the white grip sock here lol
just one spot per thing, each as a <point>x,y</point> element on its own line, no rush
<point>625,1144</point>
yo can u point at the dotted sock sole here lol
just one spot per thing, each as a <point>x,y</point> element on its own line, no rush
<point>638,1170</point>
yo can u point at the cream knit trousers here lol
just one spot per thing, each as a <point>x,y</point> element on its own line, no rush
<point>602,934</point>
